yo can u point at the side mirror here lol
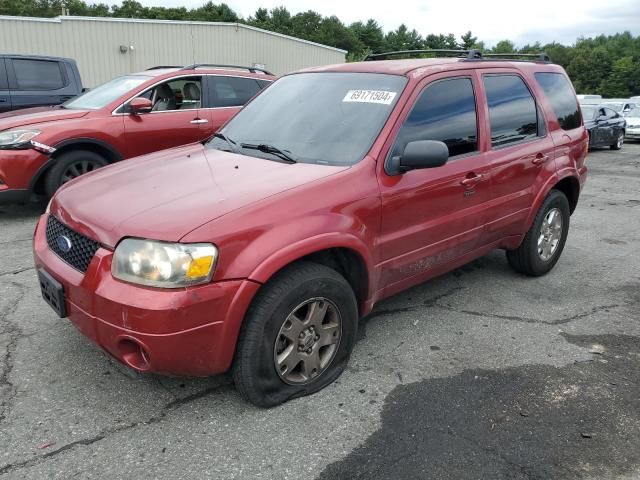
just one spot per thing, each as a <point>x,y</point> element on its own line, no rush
<point>140,105</point>
<point>419,154</point>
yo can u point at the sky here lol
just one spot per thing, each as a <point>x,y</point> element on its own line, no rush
<point>490,20</point>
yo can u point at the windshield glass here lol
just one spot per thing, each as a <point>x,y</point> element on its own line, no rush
<point>328,118</point>
<point>588,112</point>
<point>106,93</point>
<point>634,113</point>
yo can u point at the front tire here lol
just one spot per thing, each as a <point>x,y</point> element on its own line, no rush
<point>544,242</point>
<point>70,165</point>
<point>297,335</point>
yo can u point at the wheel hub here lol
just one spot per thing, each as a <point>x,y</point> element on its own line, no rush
<point>307,339</point>
<point>550,234</point>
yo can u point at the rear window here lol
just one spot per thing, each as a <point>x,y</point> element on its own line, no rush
<point>231,91</point>
<point>563,100</point>
<point>38,74</point>
<point>512,110</point>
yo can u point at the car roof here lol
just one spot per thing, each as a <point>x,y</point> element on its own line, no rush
<point>427,65</point>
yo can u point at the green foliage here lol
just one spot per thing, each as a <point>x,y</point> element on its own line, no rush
<point>607,65</point>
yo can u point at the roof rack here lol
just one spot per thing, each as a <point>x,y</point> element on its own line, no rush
<point>160,67</point>
<point>467,55</point>
<point>213,65</point>
<point>470,54</point>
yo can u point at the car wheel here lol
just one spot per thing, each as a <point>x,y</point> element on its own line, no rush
<point>619,142</point>
<point>297,335</point>
<point>544,242</point>
<point>70,165</point>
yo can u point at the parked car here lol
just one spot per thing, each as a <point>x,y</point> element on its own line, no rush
<point>605,126</point>
<point>42,148</point>
<point>632,131</point>
<point>335,188</point>
<point>34,81</point>
<point>623,107</point>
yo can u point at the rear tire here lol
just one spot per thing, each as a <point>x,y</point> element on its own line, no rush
<point>619,142</point>
<point>544,242</point>
<point>70,165</point>
<point>269,368</point>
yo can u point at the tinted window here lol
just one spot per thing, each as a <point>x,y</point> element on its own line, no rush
<point>445,111</point>
<point>263,83</point>
<point>563,101</point>
<point>512,110</point>
<point>327,118</point>
<point>37,74</point>
<point>231,91</point>
<point>3,76</point>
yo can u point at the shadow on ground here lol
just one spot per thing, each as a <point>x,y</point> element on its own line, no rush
<point>530,422</point>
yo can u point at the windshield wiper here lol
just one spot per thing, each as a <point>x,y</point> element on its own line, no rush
<point>233,145</point>
<point>285,155</point>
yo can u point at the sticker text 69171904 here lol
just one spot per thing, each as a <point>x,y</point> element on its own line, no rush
<point>370,96</point>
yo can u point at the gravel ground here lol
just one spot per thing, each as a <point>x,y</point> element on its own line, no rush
<point>480,373</point>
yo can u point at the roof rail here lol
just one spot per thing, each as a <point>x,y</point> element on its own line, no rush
<point>160,67</point>
<point>540,57</point>
<point>213,65</point>
<point>469,54</point>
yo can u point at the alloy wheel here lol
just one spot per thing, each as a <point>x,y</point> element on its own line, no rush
<point>550,234</point>
<point>79,168</point>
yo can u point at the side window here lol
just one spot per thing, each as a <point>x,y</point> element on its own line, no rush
<point>512,109</point>
<point>263,83</point>
<point>445,111</point>
<point>3,76</point>
<point>231,91</point>
<point>38,74</point>
<point>178,94</point>
<point>611,113</point>
<point>563,101</point>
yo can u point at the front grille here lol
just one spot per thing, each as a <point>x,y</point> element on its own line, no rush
<point>80,248</point>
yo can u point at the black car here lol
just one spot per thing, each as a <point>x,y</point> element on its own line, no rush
<point>36,81</point>
<point>605,126</point>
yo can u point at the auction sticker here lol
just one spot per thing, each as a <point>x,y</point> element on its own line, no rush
<point>370,96</point>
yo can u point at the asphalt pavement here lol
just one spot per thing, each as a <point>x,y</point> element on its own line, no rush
<point>480,373</point>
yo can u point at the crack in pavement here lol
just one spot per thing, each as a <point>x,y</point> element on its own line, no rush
<point>164,412</point>
<point>15,333</point>
<point>16,271</point>
<point>429,302</point>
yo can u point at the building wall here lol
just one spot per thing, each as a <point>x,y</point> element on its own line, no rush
<point>95,44</point>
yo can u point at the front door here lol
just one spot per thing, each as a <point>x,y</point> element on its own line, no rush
<point>174,119</point>
<point>434,216</point>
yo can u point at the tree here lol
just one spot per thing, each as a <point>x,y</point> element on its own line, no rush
<point>468,40</point>
<point>504,46</point>
<point>624,80</point>
<point>370,34</point>
<point>403,39</point>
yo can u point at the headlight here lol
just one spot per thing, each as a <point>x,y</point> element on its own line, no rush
<point>165,265</point>
<point>14,138</point>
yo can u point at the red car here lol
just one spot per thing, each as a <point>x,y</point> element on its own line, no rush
<point>42,148</point>
<point>335,188</point>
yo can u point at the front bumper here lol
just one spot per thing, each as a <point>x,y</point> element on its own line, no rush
<point>17,171</point>
<point>632,134</point>
<point>189,331</point>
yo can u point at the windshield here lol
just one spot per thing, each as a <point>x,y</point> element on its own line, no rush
<point>635,113</point>
<point>328,118</point>
<point>588,112</point>
<point>106,93</point>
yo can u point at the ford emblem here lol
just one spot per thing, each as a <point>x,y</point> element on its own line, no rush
<point>64,244</point>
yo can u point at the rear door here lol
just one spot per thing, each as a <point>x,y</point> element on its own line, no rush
<point>37,82</point>
<point>224,96</point>
<point>432,217</point>
<point>520,150</point>
<point>175,118</point>
<point>5,97</point>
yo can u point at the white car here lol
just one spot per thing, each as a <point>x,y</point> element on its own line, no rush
<point>633,125</point>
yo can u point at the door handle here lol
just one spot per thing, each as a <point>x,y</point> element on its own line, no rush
<point>471,180</point>
<point>199,120</point>
<point>540,159</point>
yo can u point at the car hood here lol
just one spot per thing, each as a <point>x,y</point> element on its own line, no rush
<point>165,195</point>
<point>29,116</point>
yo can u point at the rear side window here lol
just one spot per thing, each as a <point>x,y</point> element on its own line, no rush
<point>37,74</point>
<point>445,111</point>
<point>3,76</point>
<point>563,101</point>
<point>512,110</point>
<point>231,91</point>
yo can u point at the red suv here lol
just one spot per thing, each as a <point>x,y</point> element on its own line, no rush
<point>335,188</point>
<point>42,148</point>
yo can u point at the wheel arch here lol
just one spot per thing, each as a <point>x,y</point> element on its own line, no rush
<point>91,144</point>
<point>567,184</point>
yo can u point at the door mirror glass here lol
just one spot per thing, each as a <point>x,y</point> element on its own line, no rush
<point>140,105</point>
<point>421,154</point>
